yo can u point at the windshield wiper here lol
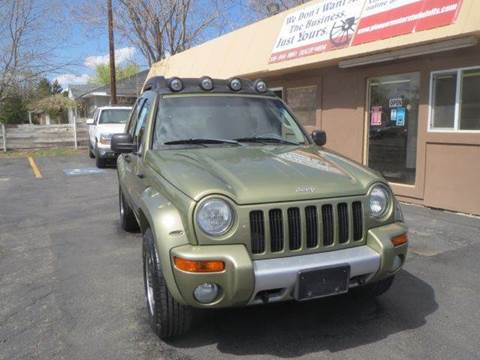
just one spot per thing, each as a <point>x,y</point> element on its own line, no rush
<point>202,141</point>
<point>266,139</point>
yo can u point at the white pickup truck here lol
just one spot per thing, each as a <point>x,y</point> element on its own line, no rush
<point>107,120</point>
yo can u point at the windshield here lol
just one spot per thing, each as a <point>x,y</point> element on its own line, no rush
<point>114,116</point>
<point>227,117</point>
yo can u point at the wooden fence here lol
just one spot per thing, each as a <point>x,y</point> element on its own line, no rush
<point>24,137</point>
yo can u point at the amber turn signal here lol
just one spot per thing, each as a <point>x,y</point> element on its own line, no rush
<point>400,240</point>
<point>199,266</point>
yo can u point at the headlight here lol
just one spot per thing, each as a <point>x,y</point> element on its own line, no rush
<point>215,217</point>
<point>378,201</point>
<point>105,139</point>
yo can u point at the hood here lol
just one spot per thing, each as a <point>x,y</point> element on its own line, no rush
<point>260,174</point>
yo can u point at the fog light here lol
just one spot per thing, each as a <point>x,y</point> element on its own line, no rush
<point>206,293</point>
<point>176,84</point>
<point>397,262</point>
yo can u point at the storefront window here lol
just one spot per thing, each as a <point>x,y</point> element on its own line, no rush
<point>455,103</point>
<point>278,92</point>
<point>470,108</point>
<point>443,109</point>
<point>303,102</point>
<point>393,126</point>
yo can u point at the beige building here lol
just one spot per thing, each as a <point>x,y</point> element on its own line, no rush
<point>394,83</point>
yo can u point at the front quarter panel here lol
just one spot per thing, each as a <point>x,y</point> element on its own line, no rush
<point>379,239</point>
<point>165,220</point>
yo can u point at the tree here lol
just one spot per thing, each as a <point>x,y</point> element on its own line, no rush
<point>26,45</point>
<point>102,73</point>
<point>262,8</point>
<point>14,109</point>
<point>56,88</point>
<point>43,89</point>
<point>159,28</point>
<point>54,105</point>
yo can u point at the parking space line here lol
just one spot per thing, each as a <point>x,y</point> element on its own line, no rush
<point>35,169</point>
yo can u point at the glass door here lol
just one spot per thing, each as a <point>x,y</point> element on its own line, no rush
<point>393,126</point>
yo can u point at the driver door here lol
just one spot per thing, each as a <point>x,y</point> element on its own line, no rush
<point>137,174</point>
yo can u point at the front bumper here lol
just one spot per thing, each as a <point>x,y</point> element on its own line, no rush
<point>106,153</point>
<point>247,282</point>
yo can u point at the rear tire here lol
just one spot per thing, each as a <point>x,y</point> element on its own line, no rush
<point>128,222</point>
<point>375,289</point>
<point>167,317</point>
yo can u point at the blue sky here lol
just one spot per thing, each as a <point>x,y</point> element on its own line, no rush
<point>86,47</point>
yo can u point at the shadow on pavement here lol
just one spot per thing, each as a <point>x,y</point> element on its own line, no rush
<point>332,324</point>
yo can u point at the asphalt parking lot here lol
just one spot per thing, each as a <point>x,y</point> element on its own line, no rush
<point>71,287</point>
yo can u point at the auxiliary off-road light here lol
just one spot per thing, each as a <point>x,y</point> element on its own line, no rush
<point>399,240</point>
<point>206,83</point>
<point>261,86</point>
<point>199,266</point>
<point>206,293</point>
<point>235,84</point>
<point>175,84</point>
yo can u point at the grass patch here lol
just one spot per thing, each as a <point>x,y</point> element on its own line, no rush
<point>60,151</point>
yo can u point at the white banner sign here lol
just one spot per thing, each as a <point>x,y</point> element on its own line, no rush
<point>335,24</point>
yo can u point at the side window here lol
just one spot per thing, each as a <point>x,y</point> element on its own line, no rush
<point>134,117</point>
<point>141,122</point>
<point>95,116</point>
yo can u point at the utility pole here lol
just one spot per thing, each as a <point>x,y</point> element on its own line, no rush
<point>113,80</point>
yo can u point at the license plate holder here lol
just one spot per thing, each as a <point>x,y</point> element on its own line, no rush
<point>317,283</point>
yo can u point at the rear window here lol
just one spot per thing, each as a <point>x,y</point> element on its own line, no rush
<point>114,116</point>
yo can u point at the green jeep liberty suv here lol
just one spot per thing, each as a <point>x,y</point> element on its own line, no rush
<point>239,206</point>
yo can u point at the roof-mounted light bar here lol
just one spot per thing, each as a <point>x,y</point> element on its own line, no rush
<point>205,83</point>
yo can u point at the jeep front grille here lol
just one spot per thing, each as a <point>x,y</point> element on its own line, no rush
<point>257,230</point>
<point>312,227</point>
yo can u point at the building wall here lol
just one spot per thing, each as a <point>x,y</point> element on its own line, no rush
<point>448,164</point>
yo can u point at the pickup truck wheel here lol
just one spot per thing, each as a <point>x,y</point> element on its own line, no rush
<point>167,317</point>
<point>375,289</point>
<point>128,222</point>
<point>91,155</point>
<point>99,162</point>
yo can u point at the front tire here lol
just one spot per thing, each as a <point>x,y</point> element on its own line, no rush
<point>91,155</point>
<point>167,317</point>
<point>128,222</point>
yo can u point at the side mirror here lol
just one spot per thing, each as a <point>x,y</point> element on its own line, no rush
<point>89,121</point>
<point>122,143</point>
<point>319,137</point>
